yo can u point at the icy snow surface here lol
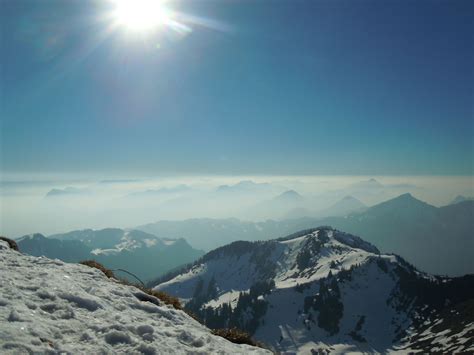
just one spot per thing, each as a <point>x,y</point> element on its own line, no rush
<point>47,306</point>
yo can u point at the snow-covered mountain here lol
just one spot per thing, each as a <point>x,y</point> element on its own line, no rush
<point>326,290</point>
<point>114,240</point>
<point>209,233</point>
<point>50,307</point>
<point>138,252</point>
<point>423,234</point>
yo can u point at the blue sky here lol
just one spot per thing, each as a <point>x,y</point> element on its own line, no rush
<point>269,87</point>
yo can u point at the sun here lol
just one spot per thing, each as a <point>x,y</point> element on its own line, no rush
<point>141,15</point>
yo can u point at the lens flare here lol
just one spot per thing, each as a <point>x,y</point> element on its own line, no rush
<point>141,15</point>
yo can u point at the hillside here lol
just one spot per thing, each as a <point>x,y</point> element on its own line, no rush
<point>421,233</point>
<point>47,306</point>
<point>210,233</point>
<point>345,206</point>
<point>138,252</point>
<point>322,289</point>
<point>460,198</point>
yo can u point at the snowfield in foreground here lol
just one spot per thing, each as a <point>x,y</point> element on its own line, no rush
<point>48,306</point>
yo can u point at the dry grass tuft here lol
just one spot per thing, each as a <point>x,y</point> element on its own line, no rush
<point>236,336</point>
<point>166,298</point>
<point>162,296</point>
<point>92,263</point>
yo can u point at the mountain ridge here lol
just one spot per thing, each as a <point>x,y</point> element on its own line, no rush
<point>138,252</point>
<point>422,233</point>
<point>319,289</point>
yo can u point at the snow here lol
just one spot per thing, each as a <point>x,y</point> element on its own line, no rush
<point>285,326</point>
<point>47,306</point>
<point>295,338</point>
<point>295,240</point>
<point>128,243</point>
<point>230,298</point>
<point>99,251</point>
<point>150,242</point>
<point>456,342</point>
<point>232,273</point>
<point>238,270</point>
<point>285,329</point>
<point>349,256</point>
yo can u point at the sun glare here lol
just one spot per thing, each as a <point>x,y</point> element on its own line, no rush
<point>141,15</point>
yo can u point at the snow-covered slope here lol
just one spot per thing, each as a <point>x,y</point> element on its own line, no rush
<point>322,289</point>
<point>48,306</point>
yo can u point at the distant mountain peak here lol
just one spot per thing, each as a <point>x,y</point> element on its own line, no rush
<point>348,204</point>
<point>290,194</point>
<point>374,182</point>
<point>141,253</point>
<point>33,236</point>
<point>351,199</point>
<point>460,198</point>
<point>405,203</point>
<point>406,196</point>
<point>245,186</point>
<point>64,192</point>
<point>368,184</point>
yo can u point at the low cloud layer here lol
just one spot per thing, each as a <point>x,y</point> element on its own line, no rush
<point>49,205</point>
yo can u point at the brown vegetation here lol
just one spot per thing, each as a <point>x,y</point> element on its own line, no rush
<point>162,296</point>
<point>92,263</point>
<point>10,242</point>
<point>236,336</point>
<point>165,298</point>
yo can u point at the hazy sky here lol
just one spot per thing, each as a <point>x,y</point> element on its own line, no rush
<point>260,87</point>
